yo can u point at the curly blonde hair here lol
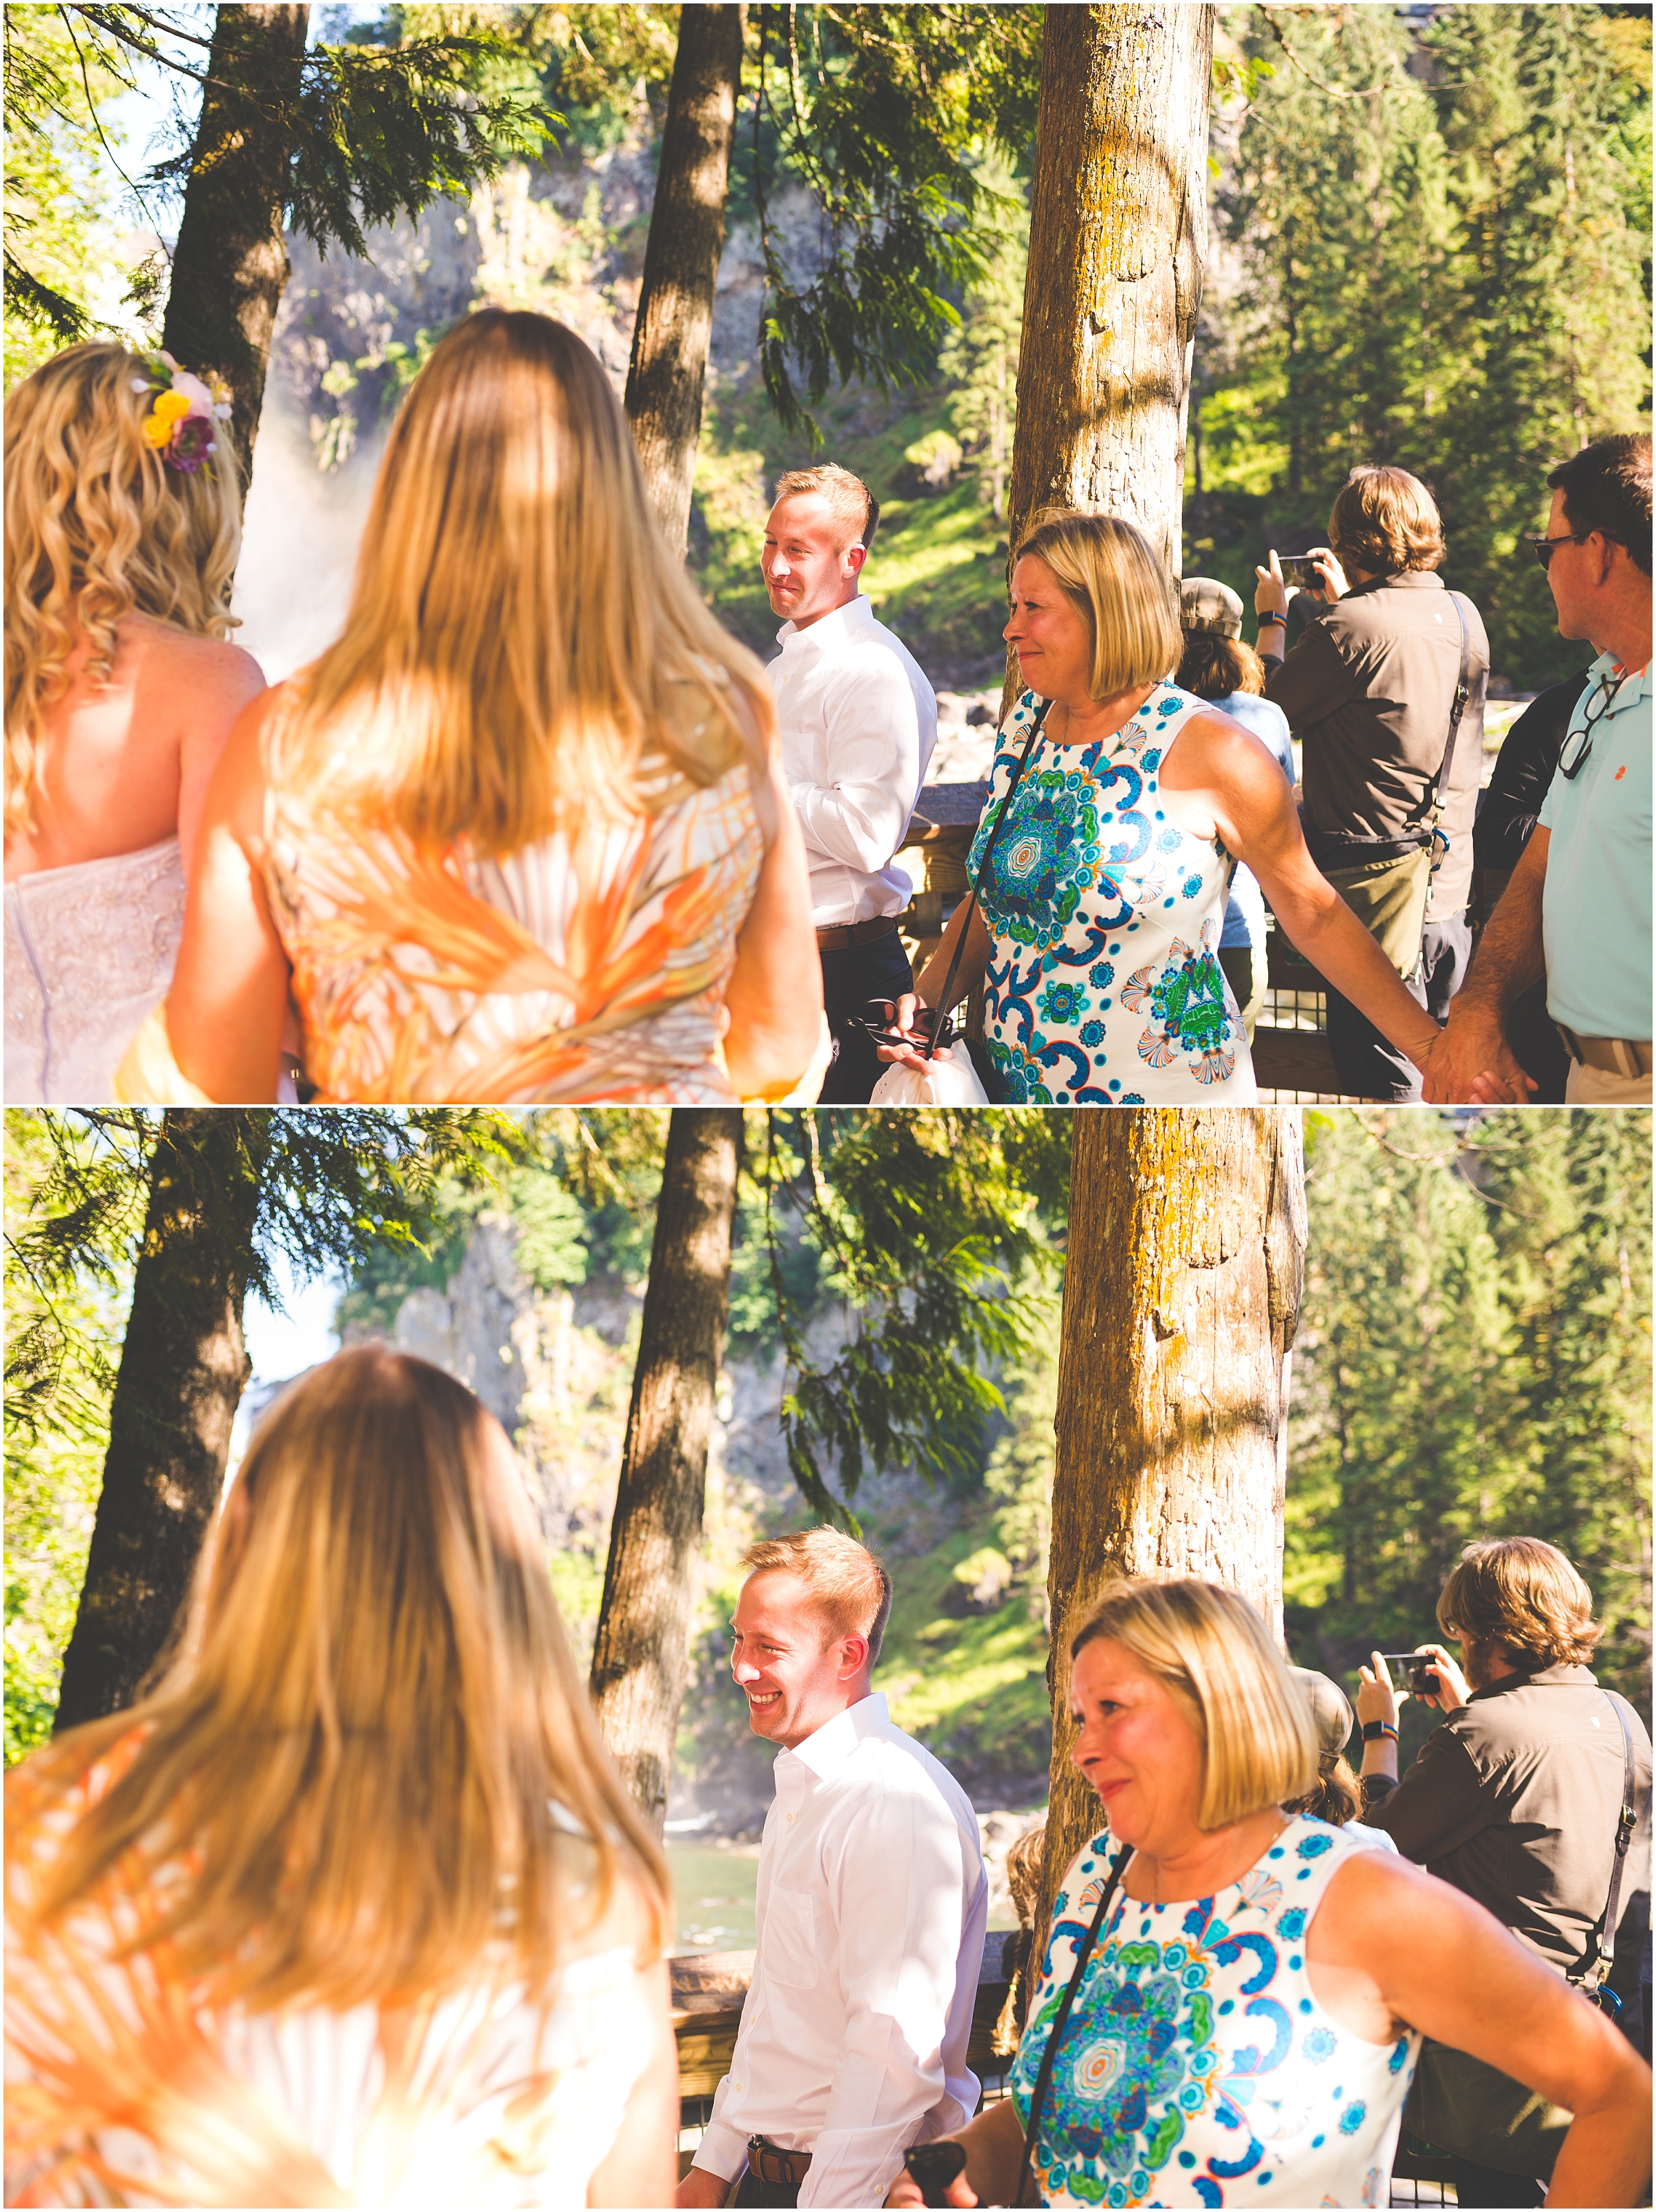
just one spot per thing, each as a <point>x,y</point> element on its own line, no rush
<point>99,527</point>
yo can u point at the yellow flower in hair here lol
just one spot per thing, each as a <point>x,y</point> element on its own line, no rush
<point>157,430</point>
<point>170,405</point>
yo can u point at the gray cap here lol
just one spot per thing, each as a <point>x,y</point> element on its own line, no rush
<point>1206,604</point>
<point>1331,1708</point>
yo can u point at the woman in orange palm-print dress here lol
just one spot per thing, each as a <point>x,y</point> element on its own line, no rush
<point>520,835</point>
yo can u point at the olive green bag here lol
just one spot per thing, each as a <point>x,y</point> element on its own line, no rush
<point>1386,881</point>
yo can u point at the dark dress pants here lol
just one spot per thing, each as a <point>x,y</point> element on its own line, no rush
<point>1484,2185</point>
<point>765,2194</point>
<point>850,978</point>
<point>1366,1065</point>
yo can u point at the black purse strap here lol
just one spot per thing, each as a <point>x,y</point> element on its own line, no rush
<point>977,880</point>
<point>1602,1956</point>
<point>1044,2078</point>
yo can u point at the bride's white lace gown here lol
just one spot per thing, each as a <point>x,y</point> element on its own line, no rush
<point>89,951</point>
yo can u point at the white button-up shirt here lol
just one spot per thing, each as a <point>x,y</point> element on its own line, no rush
<point>872,1903</point>
<point>858,722</point>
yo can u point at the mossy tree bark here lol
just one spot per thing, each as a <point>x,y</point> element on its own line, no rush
<point>640,1657</point>
<point>183,1367</point>
<point>1118,239</point>
<point>230,265</point>
<point>669,365</point>
<point>1181,1295</point>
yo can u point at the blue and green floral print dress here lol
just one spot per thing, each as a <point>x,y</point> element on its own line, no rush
<point>1104,985</point>
<point>1196,2067</point>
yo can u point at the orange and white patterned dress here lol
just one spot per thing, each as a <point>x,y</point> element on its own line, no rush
<point>126,2083</point>
<point>590,973</point>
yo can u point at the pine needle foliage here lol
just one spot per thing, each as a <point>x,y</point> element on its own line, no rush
<point>883,114</point>
<point>370,131</point>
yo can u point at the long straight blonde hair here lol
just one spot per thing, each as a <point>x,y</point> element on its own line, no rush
<point>99,527</point>
<point>343,1788</point>
<point>519,637</point>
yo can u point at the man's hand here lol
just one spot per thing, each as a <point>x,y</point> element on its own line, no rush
<point>1270,594</point>
<point>1452,1689</point>
<point>700,2187</point>
<point>1472,1063</point>
<point>1333,585</point>
<point>1376,1699</point>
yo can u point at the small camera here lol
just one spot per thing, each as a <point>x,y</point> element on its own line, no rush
<point>1416,1670</point>
<point>933,2165</point>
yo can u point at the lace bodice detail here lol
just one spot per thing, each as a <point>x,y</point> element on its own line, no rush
<point>89,951</point>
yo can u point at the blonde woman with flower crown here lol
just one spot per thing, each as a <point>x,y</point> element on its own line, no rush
<point>122,527</point>
<point>521,833</point>
<point>352,1908</point>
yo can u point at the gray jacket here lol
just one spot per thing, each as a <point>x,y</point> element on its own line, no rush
<point>1515,1798</point>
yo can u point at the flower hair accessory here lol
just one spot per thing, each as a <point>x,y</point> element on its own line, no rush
<point>179,426</point>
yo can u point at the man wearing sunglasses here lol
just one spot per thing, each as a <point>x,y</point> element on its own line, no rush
<point>1579,904</point>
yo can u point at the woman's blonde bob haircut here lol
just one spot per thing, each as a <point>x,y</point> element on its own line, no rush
<point>523,652</point>
<point>98,528</point>
<point>1214,1657</point>
<point>1113,578</point>
<point>348,1772</point>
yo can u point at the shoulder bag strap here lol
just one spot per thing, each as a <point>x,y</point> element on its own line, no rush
<point>1044,2078</point>
<point>1602,1955</point>
<point>1457,708</point>
<point>982,868</point>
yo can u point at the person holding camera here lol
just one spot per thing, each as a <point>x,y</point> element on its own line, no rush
<point>1385,688</point>
<point>1532,1798</point>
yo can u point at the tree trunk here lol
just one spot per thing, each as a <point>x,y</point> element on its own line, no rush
<point>1181,1293</point>
<point>230,264</point>
<point>1118,238</point>
<point>669,366</point>
<point>183,1366</point>
<point>641,1657</point>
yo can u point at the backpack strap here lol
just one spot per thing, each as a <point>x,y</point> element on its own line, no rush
<point>1601,1955</point>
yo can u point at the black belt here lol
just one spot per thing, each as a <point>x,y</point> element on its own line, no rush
<point>784,2169</point>
<point>1627,1056</point>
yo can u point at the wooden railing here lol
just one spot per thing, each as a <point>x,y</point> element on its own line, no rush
<point>708,1989</point>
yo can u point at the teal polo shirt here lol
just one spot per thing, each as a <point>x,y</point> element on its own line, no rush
<point>1596,905</point>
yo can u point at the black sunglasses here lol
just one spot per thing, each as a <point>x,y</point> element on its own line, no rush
<point>1578,744</point>
<point>1544,546</point>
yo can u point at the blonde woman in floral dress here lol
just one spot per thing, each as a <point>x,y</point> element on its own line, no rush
<point>520,835</point>
<point>123,525</point>
<point>1098,937</point>
<point>353,1907</point>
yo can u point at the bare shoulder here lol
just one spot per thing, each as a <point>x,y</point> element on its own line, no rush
<point>214,674</point>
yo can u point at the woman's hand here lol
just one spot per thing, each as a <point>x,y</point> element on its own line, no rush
<point>1451,1692</point>
<point>1270,594</point>
<point>911,1027</point>
<point>906,2190</point>
<point>1377,1698</point>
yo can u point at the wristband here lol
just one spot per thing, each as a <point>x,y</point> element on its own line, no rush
<point>1374,1730</point>
<point>1269,617</point>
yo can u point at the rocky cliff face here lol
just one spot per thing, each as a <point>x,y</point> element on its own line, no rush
<point>555,1370</point>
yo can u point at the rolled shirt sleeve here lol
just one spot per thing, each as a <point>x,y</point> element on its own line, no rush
<point>897,1892</point>
<point>857,812</point>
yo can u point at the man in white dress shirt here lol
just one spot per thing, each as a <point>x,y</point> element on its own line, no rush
<point>859,722</point>
<point>872,1906</point>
